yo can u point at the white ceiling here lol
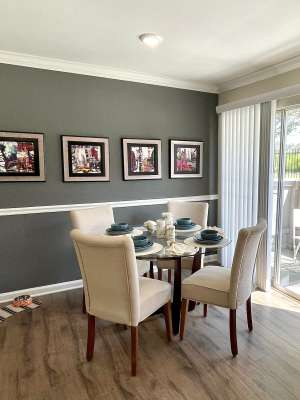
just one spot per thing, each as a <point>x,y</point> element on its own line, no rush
<point>205,42</point>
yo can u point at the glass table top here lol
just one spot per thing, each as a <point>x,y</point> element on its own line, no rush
<point>184,246</point>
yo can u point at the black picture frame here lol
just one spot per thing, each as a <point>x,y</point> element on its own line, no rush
<point>85,141</point>
<point>191,164</point>
<point>101,163</point>
<point>127,145</point>
<point>28,154</point>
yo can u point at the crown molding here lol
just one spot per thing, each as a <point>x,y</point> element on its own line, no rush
<point>288,91</point>
<point>74,67</point>
<point>264,73</point>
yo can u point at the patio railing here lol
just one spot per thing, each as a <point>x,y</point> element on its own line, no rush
<point>292,164</point>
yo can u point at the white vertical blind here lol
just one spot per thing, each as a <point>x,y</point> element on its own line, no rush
<point>238,172</point>
<point>265,195</point>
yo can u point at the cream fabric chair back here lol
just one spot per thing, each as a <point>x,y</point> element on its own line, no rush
<point>246,250</point>
<point>110,277</point>
<point>198,211</point>
<point>92,220</point>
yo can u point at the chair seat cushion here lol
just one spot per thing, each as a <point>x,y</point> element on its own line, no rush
<point>209,285</point>
<point>153,295</point>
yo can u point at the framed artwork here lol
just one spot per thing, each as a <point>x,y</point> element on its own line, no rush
<point>186,159</point>
<point>22,157</point>
<point>85,159</point>
<point>141,159</point>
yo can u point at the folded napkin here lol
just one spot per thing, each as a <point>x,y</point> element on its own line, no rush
<point>179,249</point>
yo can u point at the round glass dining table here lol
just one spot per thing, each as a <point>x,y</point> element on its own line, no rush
<point>161,251</point>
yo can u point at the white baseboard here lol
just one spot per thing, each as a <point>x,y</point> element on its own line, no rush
<point>42,290</point>
<point>60,287</point>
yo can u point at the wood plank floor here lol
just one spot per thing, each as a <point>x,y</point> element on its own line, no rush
<point>43,355</point>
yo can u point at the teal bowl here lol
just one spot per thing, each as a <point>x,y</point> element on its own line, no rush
<point>209,232</point>
<point>184,221</point>
<point>140,240</point>
<point>122,226</point>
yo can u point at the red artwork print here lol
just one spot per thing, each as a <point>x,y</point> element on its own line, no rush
<point>17,157</point>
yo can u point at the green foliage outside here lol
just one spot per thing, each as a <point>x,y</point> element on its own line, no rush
<point>292,164</point>
<point>292,145</point>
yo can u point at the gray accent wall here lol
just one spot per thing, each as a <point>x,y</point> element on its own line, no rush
<point>35,249</point>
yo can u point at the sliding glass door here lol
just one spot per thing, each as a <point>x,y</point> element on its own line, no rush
<point>286,201</point>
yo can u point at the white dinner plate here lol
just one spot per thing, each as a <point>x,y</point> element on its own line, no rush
<point>156,248</point>
<point>136,232</point>
<point>222,243</point>
<point>195,228</point>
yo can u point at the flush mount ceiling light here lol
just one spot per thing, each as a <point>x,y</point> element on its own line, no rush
<point>150,39</point>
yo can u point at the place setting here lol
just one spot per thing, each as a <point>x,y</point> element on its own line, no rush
<point>143,245</point>
<point>186,225</point>
<point>123,228</point>
<point>210,237</point>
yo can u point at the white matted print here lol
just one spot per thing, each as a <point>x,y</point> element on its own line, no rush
<point>85,159</point>
<point>186,159</point>
<point>141,159</point>
<point>22,157</point>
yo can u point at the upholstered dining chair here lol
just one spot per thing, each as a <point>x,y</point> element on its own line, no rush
<point>114,291</point>
<point>95,220</point>
<point>224,287</point>
<point>92,220</point>
<point>198,211</point>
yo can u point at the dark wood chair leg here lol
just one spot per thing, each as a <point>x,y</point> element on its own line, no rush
<point>169,275</point>
<point>134,347</point>
<point>83,302</point>
<point>205,310</point>
<point>168,320</point>
<point>184,309</point>
<point>249,314</point>
<point>151,271</point>
<point>159,274</point>
<point>91,337</point>
<point>176,304</point>
<point>232,328</point>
